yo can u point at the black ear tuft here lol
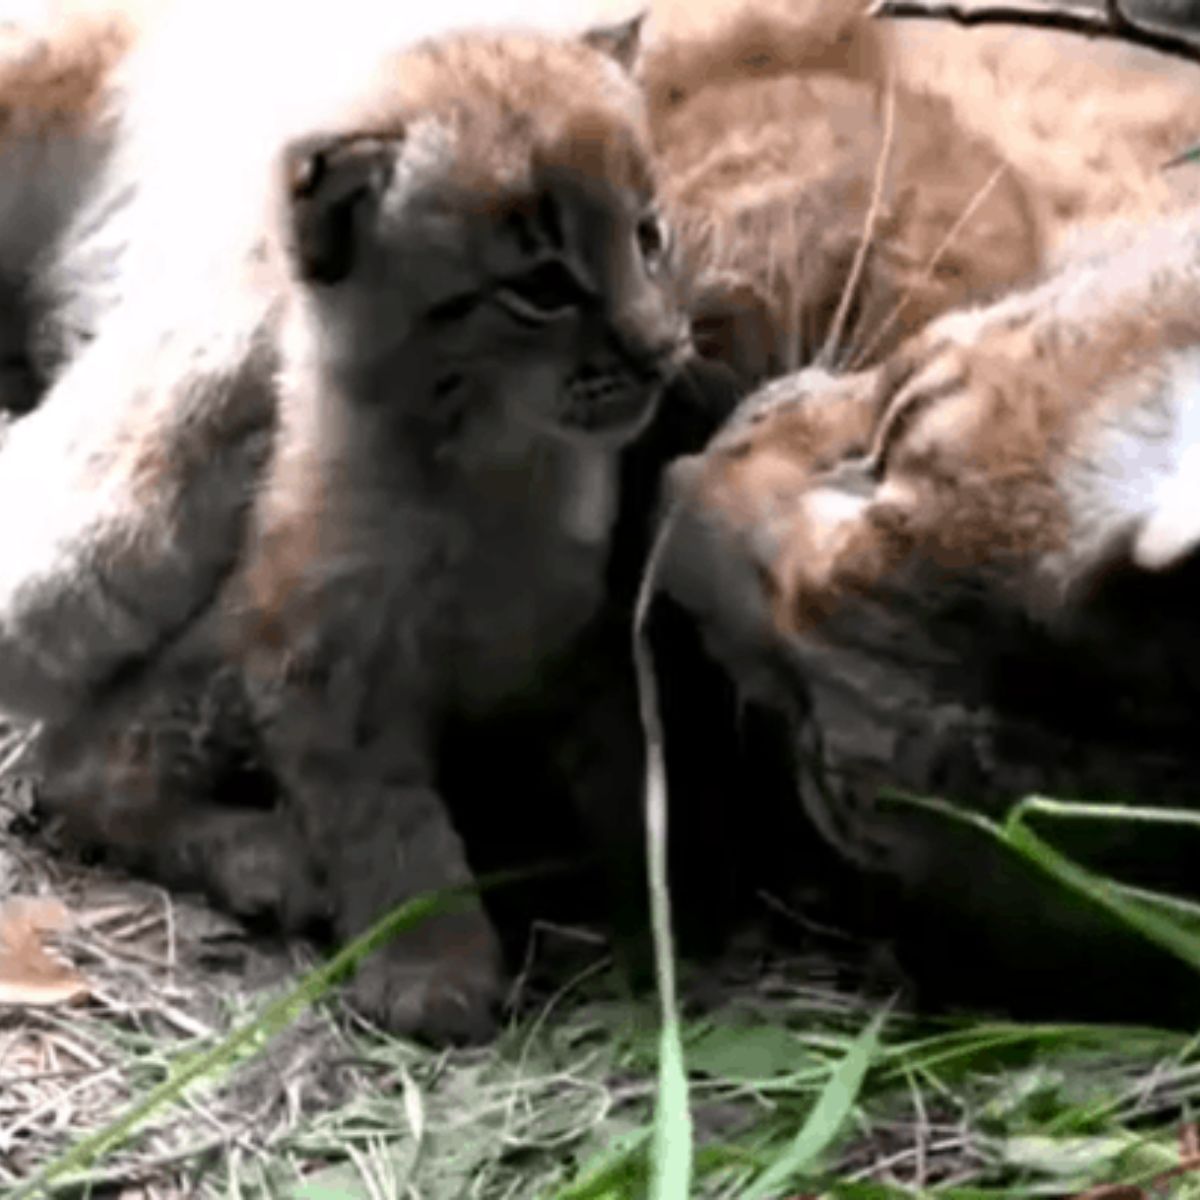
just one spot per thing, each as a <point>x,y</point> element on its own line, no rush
<point>332,185</point>
<point>622,42</point>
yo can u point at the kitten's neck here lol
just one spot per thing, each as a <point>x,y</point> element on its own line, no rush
<point>378,435</point>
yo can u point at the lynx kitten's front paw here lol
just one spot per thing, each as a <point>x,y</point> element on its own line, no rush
<point>440,984</point>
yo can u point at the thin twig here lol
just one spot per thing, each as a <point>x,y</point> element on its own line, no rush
<point>1111,22</point>
<point>921,1138</point>
<point>30,1118</point>
<point>973,206</point>
<point>875,1169</point>
<point>671,1155</point>
<point>829,352</point>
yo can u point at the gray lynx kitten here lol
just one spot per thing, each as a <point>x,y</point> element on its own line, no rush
<point>364,448</point>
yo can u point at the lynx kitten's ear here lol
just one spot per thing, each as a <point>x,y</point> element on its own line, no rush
<point>333,187</point>
<point>621,42</point>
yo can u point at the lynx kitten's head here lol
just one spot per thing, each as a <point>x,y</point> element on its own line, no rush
<point>485,231</point>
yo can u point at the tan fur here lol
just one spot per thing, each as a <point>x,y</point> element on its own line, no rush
<point>769,117</point>
<point>341,582</point>
<point>770,126</point>
<point>1031,444</point>
<point>694,47</point>
<point>58,108</point>
<point>57,84</point>
<point>1088,122</point>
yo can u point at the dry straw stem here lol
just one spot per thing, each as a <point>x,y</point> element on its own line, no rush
<point>1110,22</point>
<point>973,206</point>
<point>671,1148</point>
<point>829,352</point>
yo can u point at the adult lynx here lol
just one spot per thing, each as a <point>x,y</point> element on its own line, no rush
<point>970,574</point>
<point>915,538</point>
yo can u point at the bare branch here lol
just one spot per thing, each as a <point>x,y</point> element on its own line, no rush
<point>1110,22</point>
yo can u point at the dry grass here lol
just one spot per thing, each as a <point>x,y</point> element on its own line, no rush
<point>561,1105</point>
<point>166,977</point>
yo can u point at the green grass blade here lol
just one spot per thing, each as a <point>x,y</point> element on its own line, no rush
<point>828,1116</point>
<point>1158,919</point>
<point>254,1035</point>
<point>613,1173</point>
<point>671,1149</point>
<point>1154,922</point>
<point>1078,810</point>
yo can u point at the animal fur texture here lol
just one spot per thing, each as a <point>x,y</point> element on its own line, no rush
<point>800,170</point>
<point>841,181</point>
<point>220,296</point>
<point>364,445</point>
<point>813,77</point>
<point>1018,454</point>
<point>969,573</point>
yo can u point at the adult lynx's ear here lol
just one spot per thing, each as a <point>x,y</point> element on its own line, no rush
<point>333,189</point>
<point>622,41</point>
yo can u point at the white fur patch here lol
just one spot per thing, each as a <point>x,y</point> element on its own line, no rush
<point>830,508</point>
<point>590,507</point>
<point>1171,529</point>
<point>202,144</point>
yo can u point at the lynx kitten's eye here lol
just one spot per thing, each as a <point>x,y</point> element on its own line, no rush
<point>652,239</point>
<point>548,291</point>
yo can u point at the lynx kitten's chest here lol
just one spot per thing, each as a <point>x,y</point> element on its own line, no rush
<point>535,575</point>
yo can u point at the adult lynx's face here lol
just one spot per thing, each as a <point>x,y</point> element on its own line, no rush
<point>1023,450</point>
<point>493,243</point>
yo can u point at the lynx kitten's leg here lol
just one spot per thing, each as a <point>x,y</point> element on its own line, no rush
<point>166,781</point>
<point>384,836</point>
<point>252,864</point>
<point>442,978</point>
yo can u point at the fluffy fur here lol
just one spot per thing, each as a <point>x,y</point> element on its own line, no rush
<point>1030,445</point>
<point>392,368</point>
<point>99,447</point>
<point>815,190</point>
<point>456,383</point>
<point>970,573</point>
<point>770,118</point>
<point>56,133</point>
<point>254,450</point>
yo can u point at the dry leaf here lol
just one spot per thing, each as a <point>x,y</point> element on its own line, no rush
<point>29,974</point>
